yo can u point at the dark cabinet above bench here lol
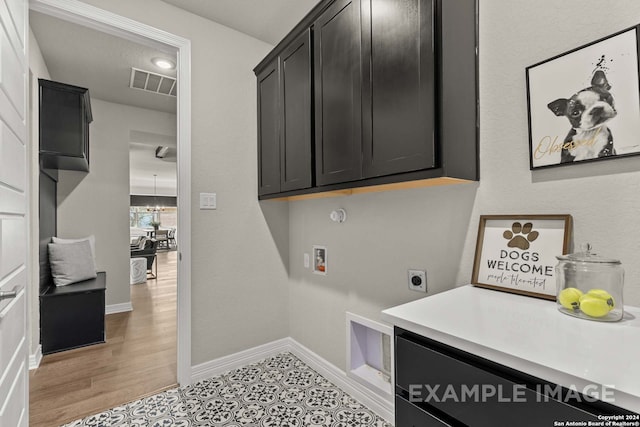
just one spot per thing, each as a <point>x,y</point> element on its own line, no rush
<point>65,114</point>
<point>366,93</point>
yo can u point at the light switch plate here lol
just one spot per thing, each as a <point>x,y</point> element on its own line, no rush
<point>208,201</point>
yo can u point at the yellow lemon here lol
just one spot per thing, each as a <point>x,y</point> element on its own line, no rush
<point>570,298</point>
<point>604,295</point>
<point>594,306</point>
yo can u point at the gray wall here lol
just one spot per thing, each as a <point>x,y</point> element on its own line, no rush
<point>603,197</point>
<point>242,295</point>
<point>98,202</point>
<point>435,228</point>
<point>368,257</point>
<point>239,277</point>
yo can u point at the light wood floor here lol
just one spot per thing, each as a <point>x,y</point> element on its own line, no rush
<point>138,359</point>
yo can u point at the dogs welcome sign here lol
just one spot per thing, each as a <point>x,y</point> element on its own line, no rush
<point>517,253</point>
<point>584,105</point>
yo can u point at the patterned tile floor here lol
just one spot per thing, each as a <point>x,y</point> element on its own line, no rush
<point>277,392</point>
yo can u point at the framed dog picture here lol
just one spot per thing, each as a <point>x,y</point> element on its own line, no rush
<point>584,105</point>
<point>517,253</point>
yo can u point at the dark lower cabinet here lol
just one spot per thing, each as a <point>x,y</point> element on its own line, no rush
<point>439,385</point>
<point>73,316</point>
<point>338,103</point>
<point>398,87</point>
<point>408,415</point>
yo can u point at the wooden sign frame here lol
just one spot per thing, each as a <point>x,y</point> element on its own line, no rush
<point>516,253</point>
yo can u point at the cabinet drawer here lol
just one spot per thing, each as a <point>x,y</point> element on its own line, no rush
<point>472,395</point>
<point>408,415</point>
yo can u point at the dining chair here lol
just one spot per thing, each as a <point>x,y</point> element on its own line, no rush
<point>171,238</point>
<point>162,238</point>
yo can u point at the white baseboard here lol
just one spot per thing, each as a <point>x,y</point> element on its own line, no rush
<point>382,407</point>
<point>35,358</point>
<point>118,308</point>
<point>237,360</point>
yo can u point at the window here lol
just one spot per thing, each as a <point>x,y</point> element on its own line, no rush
<point>141,217</point>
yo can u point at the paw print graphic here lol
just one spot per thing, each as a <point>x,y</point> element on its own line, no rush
<point>520,235</point>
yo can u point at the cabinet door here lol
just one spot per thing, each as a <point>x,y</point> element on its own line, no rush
<point>398,88</point>
<point>338,106</point>
<point>269,130</point>
<point>62,121</point>
<point>71,321</point>
<point>295,152</point>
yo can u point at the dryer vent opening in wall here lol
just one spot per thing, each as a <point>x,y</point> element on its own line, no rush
<point>153,82</point>
<point>370,354</point>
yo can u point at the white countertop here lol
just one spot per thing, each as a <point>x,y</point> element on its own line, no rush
<point>532,336</point>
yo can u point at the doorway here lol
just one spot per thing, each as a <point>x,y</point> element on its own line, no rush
<point>97,19</point>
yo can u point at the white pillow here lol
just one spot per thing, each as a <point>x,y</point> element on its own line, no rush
<point>91,239</point>
<point>71,262</point>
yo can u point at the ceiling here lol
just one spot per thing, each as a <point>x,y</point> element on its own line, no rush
<point>143,164</point>
<point>101,62</point>
<point>266,20</point>
<point>80,56</point>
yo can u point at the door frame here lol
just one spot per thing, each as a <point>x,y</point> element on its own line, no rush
<point>98,19</point>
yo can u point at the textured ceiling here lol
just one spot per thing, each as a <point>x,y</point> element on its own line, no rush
<point>266,20</point>
<point>101,62</point>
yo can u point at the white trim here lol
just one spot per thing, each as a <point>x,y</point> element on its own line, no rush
<point>384,389</point>
<point>118,308</point>
<point>237,360</point>
<point>35,358</point>
<point>337,376</point>
<point>90,16</point>
<point>184,212</point>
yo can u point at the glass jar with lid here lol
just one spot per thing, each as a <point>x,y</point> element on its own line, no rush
<point>590,286</point>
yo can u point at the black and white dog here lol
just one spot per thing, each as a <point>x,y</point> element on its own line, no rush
<point>588,112</point>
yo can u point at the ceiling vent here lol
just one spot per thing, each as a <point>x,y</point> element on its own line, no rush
<point>153,82</point>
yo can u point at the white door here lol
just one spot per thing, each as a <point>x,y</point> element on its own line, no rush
<point>13,224</point>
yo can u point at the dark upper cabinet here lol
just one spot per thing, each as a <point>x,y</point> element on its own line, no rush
<point>338,104</point>
<point>398,86</point>
<point>394,97</point>
<point>269,129</point>
<point>458,89</point>
<point>284,120</point>
<point>296,169</point>
<point>65,114</point>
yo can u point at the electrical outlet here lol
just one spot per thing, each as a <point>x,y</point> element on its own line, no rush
<point>418,280</point>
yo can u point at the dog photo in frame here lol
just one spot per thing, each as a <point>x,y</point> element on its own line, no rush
<point>584,105</point>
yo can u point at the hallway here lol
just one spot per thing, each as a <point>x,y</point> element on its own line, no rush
<point>138,359</point>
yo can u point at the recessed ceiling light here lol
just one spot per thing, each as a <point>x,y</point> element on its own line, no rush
<point>163,63</point>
